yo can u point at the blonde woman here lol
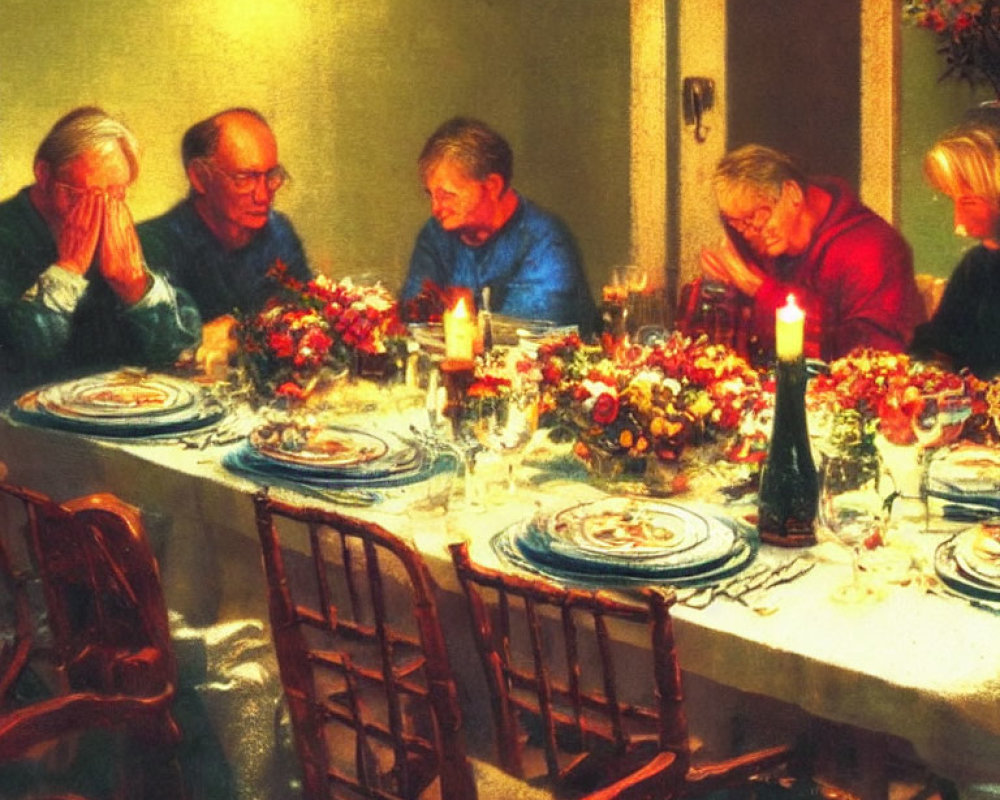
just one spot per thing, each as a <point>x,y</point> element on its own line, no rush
<point>964,165</point>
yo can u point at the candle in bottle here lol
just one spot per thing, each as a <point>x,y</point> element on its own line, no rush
<point>460,331</point>
<point>789,324</point>
<point>788,496</point>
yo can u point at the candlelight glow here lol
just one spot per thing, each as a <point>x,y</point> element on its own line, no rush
<point>789,324</point>
<point>460,330</point>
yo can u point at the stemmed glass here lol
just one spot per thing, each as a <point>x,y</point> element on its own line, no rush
<point>506,427</point>
<point>855,497</point>
<point>937,421</point>
<point>854,510</point>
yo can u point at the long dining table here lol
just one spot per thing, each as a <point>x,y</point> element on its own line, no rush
<point>911,665</point>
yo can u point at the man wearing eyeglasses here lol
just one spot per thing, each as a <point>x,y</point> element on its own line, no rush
<point>786,233</point>
<point>75,290</point>
<point>223,241</point>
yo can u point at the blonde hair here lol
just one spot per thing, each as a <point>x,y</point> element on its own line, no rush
<point>966,160</point>
<point>754,169</point>
<point>84,129</point>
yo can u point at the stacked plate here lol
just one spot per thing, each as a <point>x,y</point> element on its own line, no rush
<point>968,474</point>
<point>970,562</point>
<point>624,540</point>
<point>331,456</point>
<point>124,403</point>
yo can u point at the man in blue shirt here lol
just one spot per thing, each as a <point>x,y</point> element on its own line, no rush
<point>221,242</point>
<point>484,234</point>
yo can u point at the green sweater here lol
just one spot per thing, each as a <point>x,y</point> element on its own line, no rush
<point>41,341</point>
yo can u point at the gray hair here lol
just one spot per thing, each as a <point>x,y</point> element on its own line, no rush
<point>755,169</point>
<point>478,148</point>
<point>84,129</point>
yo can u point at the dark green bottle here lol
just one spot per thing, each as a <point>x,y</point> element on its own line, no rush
<point>789,486</point>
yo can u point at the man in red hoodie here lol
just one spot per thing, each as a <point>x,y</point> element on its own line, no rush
<point>789,234</point>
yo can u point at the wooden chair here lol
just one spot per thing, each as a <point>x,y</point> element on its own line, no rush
<point>87,673</point>
<point>370,692</point>
<point>569,706</point>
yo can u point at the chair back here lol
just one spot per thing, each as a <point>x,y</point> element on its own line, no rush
<point>362,657</point>
<point>563,689</point>
<point>89,647</point>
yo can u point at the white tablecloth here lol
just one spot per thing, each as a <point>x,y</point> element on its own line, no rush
<point>921,667</point>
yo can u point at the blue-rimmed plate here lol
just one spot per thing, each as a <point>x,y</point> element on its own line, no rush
<point>507,545</point>
<point>947,567</point>
<point>967,471</point>
<point>629,537</point>
<point>115,396</point>
<point>116,405</point>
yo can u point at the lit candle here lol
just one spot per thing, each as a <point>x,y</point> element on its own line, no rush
<point>460,331</point>
<point>789,323</point>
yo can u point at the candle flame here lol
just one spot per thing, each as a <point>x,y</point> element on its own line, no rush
<point>790,301</point>
<point>460,309</point>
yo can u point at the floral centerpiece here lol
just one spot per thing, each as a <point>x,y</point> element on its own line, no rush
<point>647,402</point>
<point>311,332</point>
<point>890,387</point>
<point>969,32</point>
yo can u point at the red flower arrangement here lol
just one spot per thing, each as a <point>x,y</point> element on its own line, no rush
<point>889,387</point>
<point>317,329</point>
<point>648,400</point>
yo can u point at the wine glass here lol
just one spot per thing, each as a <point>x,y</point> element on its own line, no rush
<point>506,427</point>
<point>937,421</point>
<point>854,509</point>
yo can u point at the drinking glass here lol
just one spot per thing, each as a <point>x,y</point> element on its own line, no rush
<point>506,427</point>
<point>937,421</point>
<point>853,509</point>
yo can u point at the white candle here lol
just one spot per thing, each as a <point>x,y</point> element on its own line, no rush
<point>460,331</point>
<point>789,323</point>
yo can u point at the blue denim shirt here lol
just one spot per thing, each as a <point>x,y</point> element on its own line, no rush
<point>532,266</point>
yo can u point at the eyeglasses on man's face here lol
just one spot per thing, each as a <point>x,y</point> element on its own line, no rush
<point>751,223</point>
<point>245,181</point>
<point>754,222</point>
<point>75,193</point>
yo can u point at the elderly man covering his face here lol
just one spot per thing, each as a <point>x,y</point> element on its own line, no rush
<point>221,242</point>
<point>75,291</point>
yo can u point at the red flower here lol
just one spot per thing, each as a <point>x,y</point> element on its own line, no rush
<point>605,409</point>
<point>281,344</point>
<point>290,389</point>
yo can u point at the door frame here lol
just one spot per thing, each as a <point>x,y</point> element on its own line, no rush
<point>672,212</point>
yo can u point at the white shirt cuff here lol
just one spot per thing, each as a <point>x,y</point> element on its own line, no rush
<point>159,292</point>
<point>59,289</point>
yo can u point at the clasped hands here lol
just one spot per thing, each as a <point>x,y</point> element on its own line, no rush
<point>101,223</point>
<point>725,265</point>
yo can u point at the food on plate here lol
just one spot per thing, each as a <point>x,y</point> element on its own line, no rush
<point>304,441</point>
<point>986,541</point>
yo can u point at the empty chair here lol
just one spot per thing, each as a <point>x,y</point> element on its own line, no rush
<point>586,690</point>
<point>87,673</point>
<point>362,658</point>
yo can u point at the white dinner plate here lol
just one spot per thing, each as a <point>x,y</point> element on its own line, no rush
<point>320,447</point>
<point>116,396</point>
<point>976,560</point>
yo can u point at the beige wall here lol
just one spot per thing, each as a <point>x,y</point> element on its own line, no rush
<point>352,88</point>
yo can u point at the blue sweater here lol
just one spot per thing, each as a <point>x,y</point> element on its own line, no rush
<point>532,266</point>
<point>221,281</point>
